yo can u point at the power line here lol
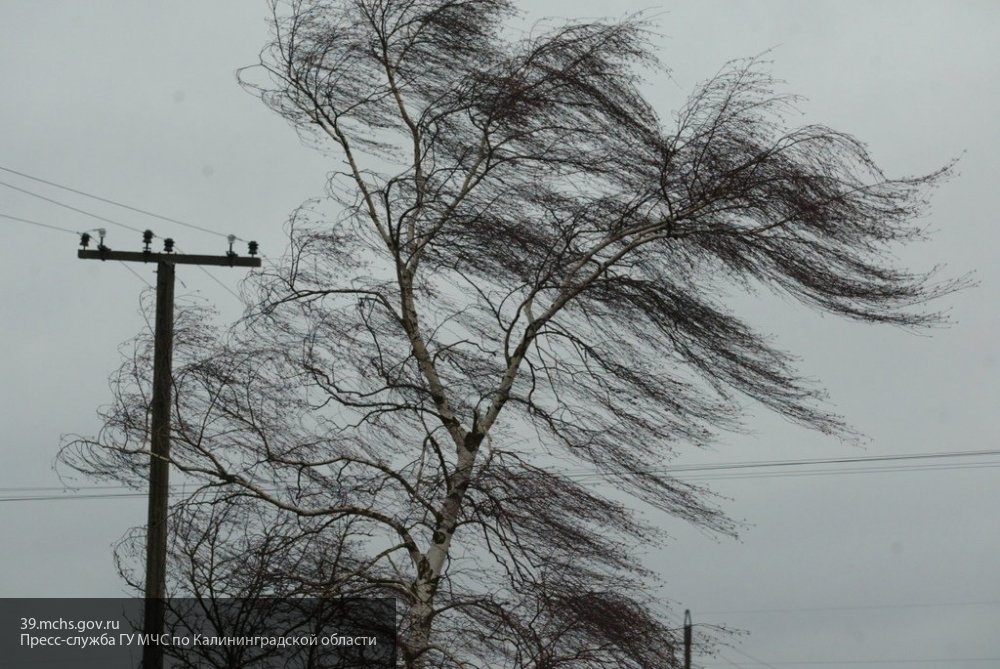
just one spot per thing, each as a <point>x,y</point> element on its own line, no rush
<point>942,660</point>
<point>136,274</point>
<point>41,225</point>
<point>597,478</point>
<point>105,495</point>
<point>106,220</point>
<point>71,207</point>
<point>116,203</point>
<point>218,281</point>
<point>842,471</point>
<point>794,463</point>
<point>728,661</point>
<point>862,607</point>
<point>683,469</point>
<point>74,232</point>
<point>49,498</point>
<point>60,488</point>
<point>751,657</point>
<point>706,470</point>
<point>824,461</point>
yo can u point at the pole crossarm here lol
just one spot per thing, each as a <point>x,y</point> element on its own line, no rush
<point>170,258</point>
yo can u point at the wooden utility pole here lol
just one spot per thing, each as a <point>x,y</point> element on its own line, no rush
<point>159,471</point>
<point>687,639</point>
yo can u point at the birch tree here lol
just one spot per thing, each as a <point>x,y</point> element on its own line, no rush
<point>521,280</point>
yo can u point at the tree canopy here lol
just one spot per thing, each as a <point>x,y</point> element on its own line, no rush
<point>523,279</point>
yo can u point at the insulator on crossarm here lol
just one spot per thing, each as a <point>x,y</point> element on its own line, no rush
<point>252,248</point>
<point>168,245</point>
<point>147,239</point>
<point>84,240</point>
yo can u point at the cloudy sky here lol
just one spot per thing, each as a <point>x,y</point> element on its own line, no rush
<point>890,563</point>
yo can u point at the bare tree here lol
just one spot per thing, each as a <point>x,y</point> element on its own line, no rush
<point>525,268</point>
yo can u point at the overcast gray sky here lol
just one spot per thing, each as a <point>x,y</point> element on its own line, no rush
<point>881,567</point>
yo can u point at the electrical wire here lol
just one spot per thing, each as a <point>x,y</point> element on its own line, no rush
<point>134,273</point>
<point>862,607</point>
<point>63,488</point>
<point>727,660</point>
<point>218,281</point>
<point>706,470</point>
<point>107,220</point>
<point>825,461</point>
<point>751,657</point>
<point>72,232</point>
<point>116,203</point>
<point>48,498</point>
<point>101,495</point>
<point>834,663</point>
<point>41,225</point>
<point>71,207</point>
<point>694,468</point>
<point>812,472</point>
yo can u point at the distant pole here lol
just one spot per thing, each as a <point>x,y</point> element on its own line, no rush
<point>159,460</point>
<point>687,639</point>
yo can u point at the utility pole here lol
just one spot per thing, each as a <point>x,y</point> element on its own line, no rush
<point>687,638</point>
<point>159,471</point>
